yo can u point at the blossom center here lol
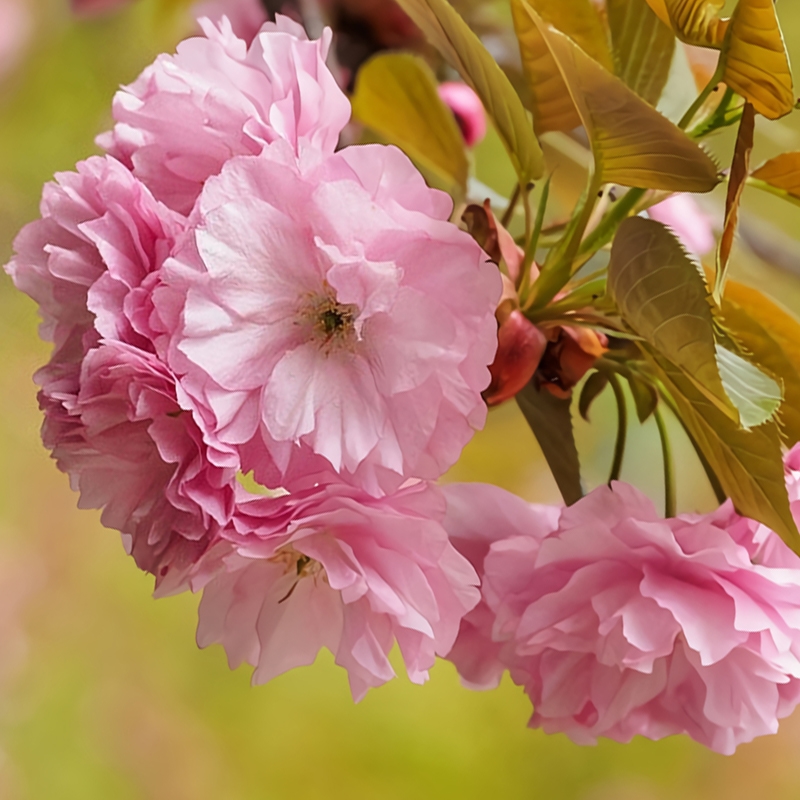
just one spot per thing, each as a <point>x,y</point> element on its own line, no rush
<point>297,564</point>
<point>333,324</point>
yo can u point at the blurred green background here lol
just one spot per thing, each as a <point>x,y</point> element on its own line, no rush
<point>103,692</point>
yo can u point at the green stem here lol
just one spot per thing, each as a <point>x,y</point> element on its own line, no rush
<point>703,96</point>
<point>716,486</point>
<point>622,428</point>
<point>605,230</point>
<point>526,203</point>
<point>512,204</point>
<point>558,268</point>
<point>669,466</point>
<point>533,243</point>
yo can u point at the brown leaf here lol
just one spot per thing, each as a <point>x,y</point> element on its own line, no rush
<point>736,181</point>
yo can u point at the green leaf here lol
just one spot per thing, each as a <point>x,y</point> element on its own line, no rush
<point>772,335</point>
<point>645,397</point>
<point>395,95</point>
<point>448,33</point>
<point>643,47</point>
<point>748,464</point>
<point>632,143</point>
<point>661,296</point>
<point>755,395</point>
<point>594,385</point>
<point>740,166</point>
<point>550,419</point>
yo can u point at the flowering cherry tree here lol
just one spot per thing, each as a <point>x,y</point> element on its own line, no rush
<point>279,313</point>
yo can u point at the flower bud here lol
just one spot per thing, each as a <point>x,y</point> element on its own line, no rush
<point>520,345</point>
<point>570,354</point>
<point>467,109</point>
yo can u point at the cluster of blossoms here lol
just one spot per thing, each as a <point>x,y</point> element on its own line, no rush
<point>228,293</point>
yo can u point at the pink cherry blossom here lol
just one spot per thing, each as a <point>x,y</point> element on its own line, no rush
<point>112,415</point>
<point>328,305</point>
<point>131,450</point>
<point>343,571</point>
<point>245,16</point>
<point>621,623</point>
<point>100,238</point>
<point>479,514</point>
<point>467,109</point>
<point>187,114</point>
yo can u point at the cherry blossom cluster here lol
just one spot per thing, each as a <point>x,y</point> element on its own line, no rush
<point>227,294</point>
<point>234,301</point>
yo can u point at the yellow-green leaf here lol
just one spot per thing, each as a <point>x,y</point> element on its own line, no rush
<point>552,106</point>
<point>748,463</point>
<point>550,419</point>
<point>395,95</point>
<point>780,175</point>
<point>633,144</point>
<point>756,61</point>
<point>551,103</point>
<point>736,180</point>
<point>580,20</point>
<point>772,335</point>
<point>643,47</point>
<point>448,32</point>
<point>694,21</point>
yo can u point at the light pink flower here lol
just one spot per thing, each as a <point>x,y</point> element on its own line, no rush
<point>689,222</point>
<point>621,623</point>
<point>329,305</point>
<point>479,514</point>
<point>349,573</point>
<point>100,237</point>
<point>131,450</point>
<point>187,114</point>
<point>467,109</point>
<point>245,16</point>
<point>112,415</point>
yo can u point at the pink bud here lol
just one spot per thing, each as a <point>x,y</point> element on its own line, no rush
<point>467,109</point>
<point>520,345</point>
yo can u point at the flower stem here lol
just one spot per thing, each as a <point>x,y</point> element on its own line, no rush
<point>604,232</point>
<point>703,96</point>
<point>669,466</point>
<point>622,427</point>
<point>512,204</point>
